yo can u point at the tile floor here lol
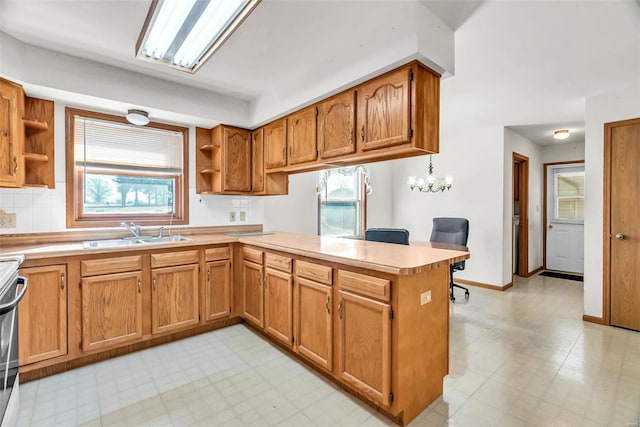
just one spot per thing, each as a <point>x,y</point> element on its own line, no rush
<point>518,358</point>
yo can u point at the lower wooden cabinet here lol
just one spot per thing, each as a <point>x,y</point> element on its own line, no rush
<point>364,346</point>
<point>217,303</point>
<point>252,294</point>
<point>174,298</point>
<point>111,310</point>
<point>279,305</point>
<point>313,326</point>
<point>42,314</point>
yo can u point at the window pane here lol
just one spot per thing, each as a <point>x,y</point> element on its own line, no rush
<point>569,195</point>
<point>126,195</point>
<point>570,208</point>
<point>341,204</point>
<point>570,184</point>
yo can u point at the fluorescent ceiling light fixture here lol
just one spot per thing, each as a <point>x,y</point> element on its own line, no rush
<point>137,117</point>
<point>561,134</point>
<point>183,34</point>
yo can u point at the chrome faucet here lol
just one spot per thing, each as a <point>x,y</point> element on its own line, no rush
<point>134,229</point>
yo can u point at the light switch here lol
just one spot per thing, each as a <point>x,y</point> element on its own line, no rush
<point>425,298</point>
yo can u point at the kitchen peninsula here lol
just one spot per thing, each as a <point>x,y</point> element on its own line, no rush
<point>373,317</point>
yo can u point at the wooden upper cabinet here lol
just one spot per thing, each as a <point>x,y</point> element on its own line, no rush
<point>301,136</point>
<point>43,314</point>
<point>11,134</point>
<point>257,160</point>
<point>275,144</point>
<point>384,109</point>
<point>236,164</point>
<point>336,125</point>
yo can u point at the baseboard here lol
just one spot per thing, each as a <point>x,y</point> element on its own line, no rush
<point>536,271</point>
<point>593,319</point>
<point>484,285</point>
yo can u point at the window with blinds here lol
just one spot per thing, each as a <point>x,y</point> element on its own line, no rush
<point>569,195</point>
<point>121,172</point>
<point>341,204</point>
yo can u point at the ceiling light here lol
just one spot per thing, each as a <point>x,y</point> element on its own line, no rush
<point>137,117</point>
<point>184,33</point>
<point>561,134</point>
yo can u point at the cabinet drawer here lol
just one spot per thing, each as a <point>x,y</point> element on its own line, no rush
<point>315,272</point>
<point>365,285</point>
<point>214,254</point>
<point>278,262</point>
<point>174,258</point>
<point>122,264</point>
<point>252,255</point>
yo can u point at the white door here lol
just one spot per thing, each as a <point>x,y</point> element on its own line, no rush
<point>565,218</point>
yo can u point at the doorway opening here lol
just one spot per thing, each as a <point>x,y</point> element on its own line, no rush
<point>520,223</point>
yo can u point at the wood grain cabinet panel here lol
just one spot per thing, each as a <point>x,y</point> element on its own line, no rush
<point>11,134</point>
<point>313,322</point>
<point>302,135</point>
<point>174,298</point>
<point>364,346</point>
<point>252,293</point>
<point>111,310</point>
<point>42,316</point>
<point>217,303</point>
<point>384,108</point>
<point>275,144</point>
<point>236,165</point>
<point>169,259</point>
<point>336,125</point>
<point>257,161</point>
<point>278,303</point>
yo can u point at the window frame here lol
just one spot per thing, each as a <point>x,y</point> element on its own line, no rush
<point>75,183</point>
<point>363,210</point>
<point>556,202</point>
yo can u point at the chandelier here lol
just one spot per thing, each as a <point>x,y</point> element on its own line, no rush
<point>431,184</point>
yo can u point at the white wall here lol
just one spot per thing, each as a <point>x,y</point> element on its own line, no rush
<point>600,109</point>
<point>563,152</point>
<point>43,210</point>
<point>515,143</point>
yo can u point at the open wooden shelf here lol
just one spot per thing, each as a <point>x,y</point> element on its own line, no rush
<point>35,124</point>
<point>35,157</point>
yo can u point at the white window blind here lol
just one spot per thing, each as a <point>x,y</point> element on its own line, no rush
<point>102,144</point>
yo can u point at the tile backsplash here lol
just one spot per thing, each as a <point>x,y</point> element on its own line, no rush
<point>40,210</point>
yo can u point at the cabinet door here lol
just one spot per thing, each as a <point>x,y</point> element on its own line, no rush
<point>336,125</point>
<point>384,110</point>
<point>278,303</point>
<point>11,134</point>
<point>174,298</point>
<point>217,304</point>
<point>301,136</point>
<point>252,295</point>
<point>257,161</point>
<point>237,159</point>
<point>275,143</point>
<point>111,310</point>
<point>313,326</point>
<point>364,335</point>
<point>42,316</point>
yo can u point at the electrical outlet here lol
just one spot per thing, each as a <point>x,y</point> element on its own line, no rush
<point>8,220</point>
<point>243,215</point>
<point>232,216</point>
<point>425,298</point>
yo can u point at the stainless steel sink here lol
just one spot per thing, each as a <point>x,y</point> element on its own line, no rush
<point>115,243</point>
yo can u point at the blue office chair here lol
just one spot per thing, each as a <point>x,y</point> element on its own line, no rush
<point>452,230</point>
<point>387,235</point>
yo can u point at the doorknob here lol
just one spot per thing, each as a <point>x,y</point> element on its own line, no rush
<point>620,236</point>
<point>550,225</point>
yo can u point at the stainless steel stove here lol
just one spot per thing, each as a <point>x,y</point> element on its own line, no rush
<point>12,289</point>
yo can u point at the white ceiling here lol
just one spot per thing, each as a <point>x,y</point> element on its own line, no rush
<point>524,64</point>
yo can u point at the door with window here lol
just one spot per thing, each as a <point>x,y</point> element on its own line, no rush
<point>565,217</point>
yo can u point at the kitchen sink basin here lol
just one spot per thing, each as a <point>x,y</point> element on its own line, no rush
<point>116,243</point>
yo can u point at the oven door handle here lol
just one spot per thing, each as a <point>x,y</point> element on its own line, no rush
<point>5,308</point>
